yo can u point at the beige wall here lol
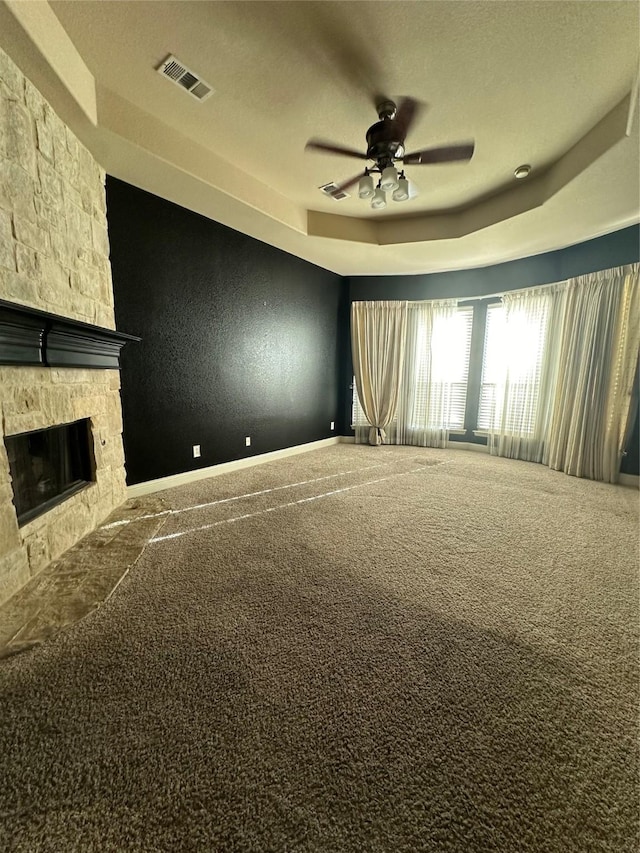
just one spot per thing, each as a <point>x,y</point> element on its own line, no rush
<point>54,255</point>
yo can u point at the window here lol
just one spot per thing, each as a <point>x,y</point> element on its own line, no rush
<point>512,367</point>
<point>442,371</point>
<point>492,387</point>
<point>358,418</point>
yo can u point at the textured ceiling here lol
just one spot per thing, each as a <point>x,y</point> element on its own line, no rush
<point>527,80</point>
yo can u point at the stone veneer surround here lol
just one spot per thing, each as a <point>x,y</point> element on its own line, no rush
<point>54,255</point>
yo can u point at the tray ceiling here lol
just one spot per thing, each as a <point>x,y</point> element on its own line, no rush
<point>540,83</point>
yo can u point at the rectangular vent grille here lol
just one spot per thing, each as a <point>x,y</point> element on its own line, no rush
<point>188,80</point>
<point>201,90</point>
<point>178,73</point>
<point>329,189</point>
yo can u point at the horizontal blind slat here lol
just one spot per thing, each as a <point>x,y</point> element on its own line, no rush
<point>490,407</point>
<point>443,403</point>
<point>512,368</point>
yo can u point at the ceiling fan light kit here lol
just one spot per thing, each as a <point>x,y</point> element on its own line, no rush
<point>389,179</point>
<point>365,187</point>
<point>379,200</point>
<point>385,146</point>
<point>402,193</point>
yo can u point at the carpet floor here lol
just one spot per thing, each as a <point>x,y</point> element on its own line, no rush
<point>354,650</point>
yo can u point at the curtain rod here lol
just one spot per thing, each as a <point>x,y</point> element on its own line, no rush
<point>484,296</point>
<point>515,290</point>
<point>624,269</point>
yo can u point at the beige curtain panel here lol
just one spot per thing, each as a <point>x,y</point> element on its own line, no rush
<point>425,395</point>
<point>378,342</point>
<point>561,388</point>
<point>600,339</point>
<point>570,408</point>
<point>533,324</point>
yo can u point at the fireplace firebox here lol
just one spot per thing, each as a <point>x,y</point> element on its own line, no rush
<point>48,466</point>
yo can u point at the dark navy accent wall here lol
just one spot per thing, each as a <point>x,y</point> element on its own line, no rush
<point>611,250</point>
<point>238,339</point>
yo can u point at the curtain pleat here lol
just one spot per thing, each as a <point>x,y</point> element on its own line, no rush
<point>378,342</point>
<point>392,336</point>
<point>425,400</point>
<point>532,323</point>
<point>571,410</point>
<point>599,352</point>
<point>562,397</point>
<point>625,366</point>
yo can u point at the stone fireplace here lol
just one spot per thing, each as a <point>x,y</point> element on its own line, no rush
<point>54,257</point>
<point>48,466</point>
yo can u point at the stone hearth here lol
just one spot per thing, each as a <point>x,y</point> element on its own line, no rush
<point>70,588</point>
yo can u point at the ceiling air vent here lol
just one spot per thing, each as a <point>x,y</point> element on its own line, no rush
<point>184,77</point>
<point>329,189</point>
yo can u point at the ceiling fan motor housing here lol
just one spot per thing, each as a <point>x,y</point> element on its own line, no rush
<point>385,146</point>
<point>384,143</point>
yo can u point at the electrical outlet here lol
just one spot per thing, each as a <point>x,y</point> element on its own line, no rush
<point>247,441</point>
<point>196,451</point>
<point>333,424</point>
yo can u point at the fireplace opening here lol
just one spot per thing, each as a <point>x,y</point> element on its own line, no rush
<point>48,466</point>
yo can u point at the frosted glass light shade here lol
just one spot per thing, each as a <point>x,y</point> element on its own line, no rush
<point>379,200</point>
<point>402,193</point>
<point>365,187</point>
<point>389,179</point>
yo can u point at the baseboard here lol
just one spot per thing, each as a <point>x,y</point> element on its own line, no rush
<point>632,480</point>
<point>467,445</point>
<point>451,445</point>
<point>181,479</point>
<point>149,486</point>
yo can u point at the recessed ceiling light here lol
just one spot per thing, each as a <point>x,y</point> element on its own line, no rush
<point>522,172</point>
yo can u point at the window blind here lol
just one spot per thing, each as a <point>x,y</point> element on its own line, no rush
<point>512,368</point>
<point>493,368</point>
<point>441,374</point>
<point>357,415</point>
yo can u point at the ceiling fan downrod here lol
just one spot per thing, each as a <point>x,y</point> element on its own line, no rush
<point>386,109</point>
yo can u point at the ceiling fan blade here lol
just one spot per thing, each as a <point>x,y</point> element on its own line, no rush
<point>406,114</point>
<point>346,52</point>
<point>445,154</point>
<point>319,145</point>
<point>346,184</point>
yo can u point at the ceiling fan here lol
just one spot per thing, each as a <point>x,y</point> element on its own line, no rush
<point>386,146</point>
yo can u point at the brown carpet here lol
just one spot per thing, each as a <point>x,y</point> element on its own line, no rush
<point>440,655</point>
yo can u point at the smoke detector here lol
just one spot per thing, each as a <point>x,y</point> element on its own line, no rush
<point>177,72</point>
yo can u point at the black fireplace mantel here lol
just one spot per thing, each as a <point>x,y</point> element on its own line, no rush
<point>36,338</point>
